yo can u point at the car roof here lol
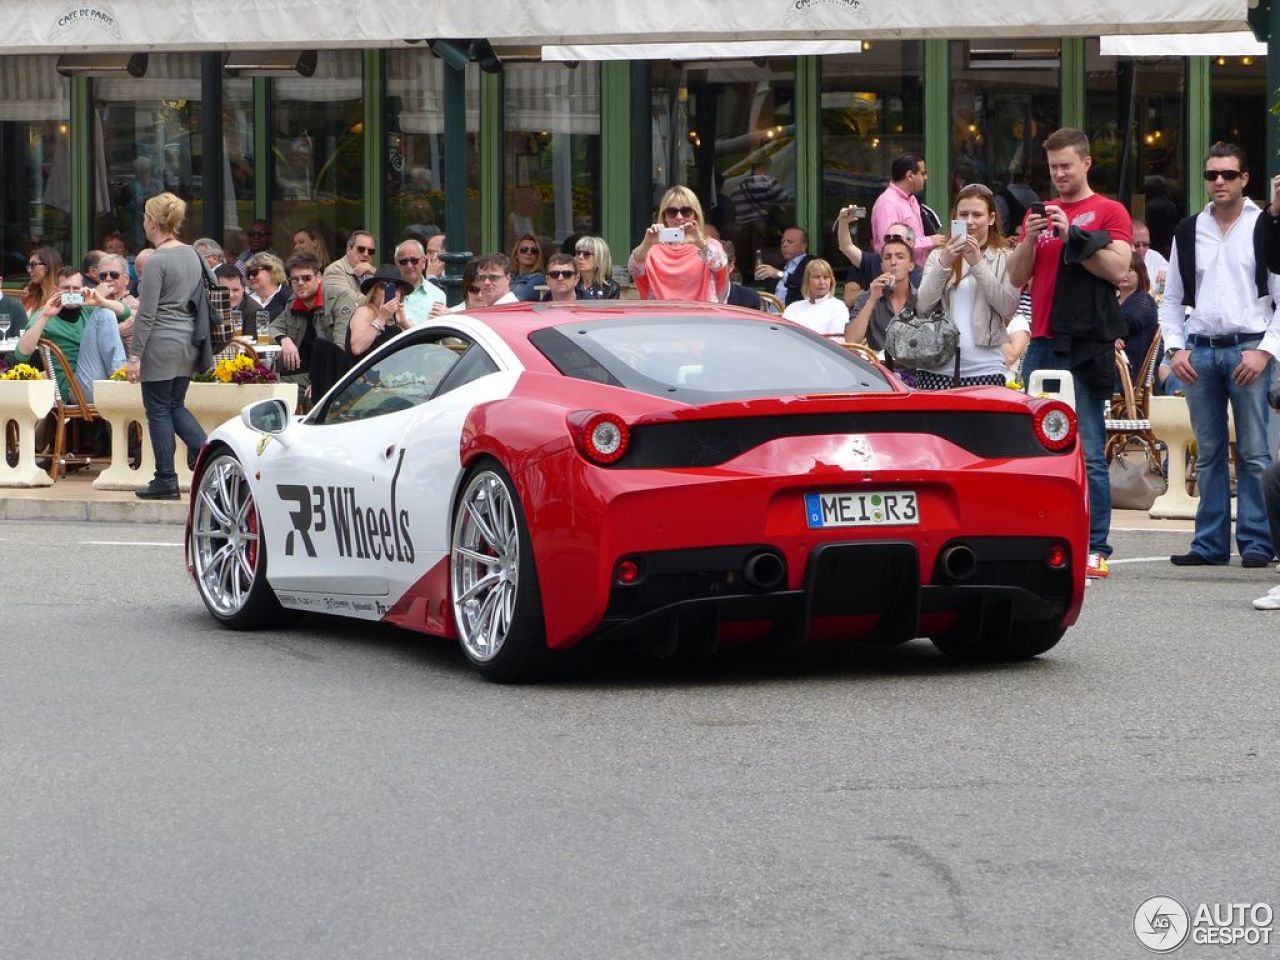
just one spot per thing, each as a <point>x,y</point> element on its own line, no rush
<point>515,321</point>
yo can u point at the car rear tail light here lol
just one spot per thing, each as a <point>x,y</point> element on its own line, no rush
<point>1056,556</point>
<point>627,572</point>
<point>600,437</point>
<point>1055,424</point>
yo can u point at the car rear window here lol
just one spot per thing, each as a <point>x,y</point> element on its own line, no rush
<point>706,359</point>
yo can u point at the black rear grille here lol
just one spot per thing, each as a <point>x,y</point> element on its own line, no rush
<point>707,443</point>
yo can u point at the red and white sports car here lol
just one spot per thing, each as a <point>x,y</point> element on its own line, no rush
<point>682,475</point>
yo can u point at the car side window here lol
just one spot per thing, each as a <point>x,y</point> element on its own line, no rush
<point>397,381</point>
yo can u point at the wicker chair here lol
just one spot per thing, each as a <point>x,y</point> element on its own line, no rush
<point>72,410</point>
<point>1129,416</point>
<point>769,303</point>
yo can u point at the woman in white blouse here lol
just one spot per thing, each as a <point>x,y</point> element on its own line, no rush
<point>820,311</point>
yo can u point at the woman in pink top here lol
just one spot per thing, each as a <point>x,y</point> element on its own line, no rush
<point>692,268</point>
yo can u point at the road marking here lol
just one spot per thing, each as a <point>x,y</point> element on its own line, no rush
<point>131,543</point>
<point>1139,560</point>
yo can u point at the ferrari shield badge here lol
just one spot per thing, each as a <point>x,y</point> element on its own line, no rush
<point>860,448</point>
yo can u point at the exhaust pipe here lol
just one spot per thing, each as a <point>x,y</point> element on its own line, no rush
<point>958,562</point>
<point>764,570</point>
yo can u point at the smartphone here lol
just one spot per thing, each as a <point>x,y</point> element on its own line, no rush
<point>959,229</point>
<point>1038,209</point>
<point>671,235</point>
<point>389,291</point>
<point>73,299</point>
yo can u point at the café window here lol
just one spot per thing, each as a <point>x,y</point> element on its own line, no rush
<point>317,138</point>
<point>415,172</point>
<point>35,204</point>
<point>238,152</point>
<point>1134,116</point>
<point>551,158</point>
<point>872,113</point>
<point>1005,101</point>
<point>727,129</point>
<point>146,140</point>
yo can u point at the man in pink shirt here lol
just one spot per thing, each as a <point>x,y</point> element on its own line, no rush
<point>898,204</point>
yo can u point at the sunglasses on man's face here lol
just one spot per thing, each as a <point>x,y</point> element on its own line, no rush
<point>302,278</point>
<point>685,212</point>
<point>561,274</point>
<point>491,277</point>
<point>368,250</point>
<point>895,237</point>
<point>109,274</point>
<point>409,261</point>
<point>1227,175</point>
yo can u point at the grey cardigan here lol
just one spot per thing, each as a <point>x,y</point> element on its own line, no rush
<point>995,300</point>
<point>165,322</point>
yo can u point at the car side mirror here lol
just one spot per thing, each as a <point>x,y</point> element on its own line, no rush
<point>267,416</point>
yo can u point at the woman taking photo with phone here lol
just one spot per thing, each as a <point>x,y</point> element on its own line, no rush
<point>381,316</point>
<point>968,277</point>
<point>675,261</point>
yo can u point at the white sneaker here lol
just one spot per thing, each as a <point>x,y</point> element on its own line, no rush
<point>1270,602</point>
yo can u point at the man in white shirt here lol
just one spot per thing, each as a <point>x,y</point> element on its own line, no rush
<point>427,300</point>
<point>794,247</point>
<point>1157,266</point>
<point>1226,354</point>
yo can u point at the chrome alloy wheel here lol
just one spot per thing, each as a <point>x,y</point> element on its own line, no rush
<point>485,566</point>
<point>224,537</point>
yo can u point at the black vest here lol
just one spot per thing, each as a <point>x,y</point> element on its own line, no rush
<point>1184,235</point>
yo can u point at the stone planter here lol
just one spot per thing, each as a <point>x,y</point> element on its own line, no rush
<point>215,403</point>
<point>24,403</point>
<point>210,403</point>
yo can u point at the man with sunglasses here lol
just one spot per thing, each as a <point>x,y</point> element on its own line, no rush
<point>562,279</point>
<point>313,329</point>
<point>426,299</point>
<point>1224,353</point>
<point>353,266</point>
<point>259,239</point>
<point>493,274</point>
<point>112,292</point>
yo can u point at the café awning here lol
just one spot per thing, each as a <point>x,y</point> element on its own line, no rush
<point>41,26</point>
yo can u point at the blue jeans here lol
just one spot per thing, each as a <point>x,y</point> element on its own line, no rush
<point>1089,414</point>
<point>1207,401</point>
<point>166,416</point>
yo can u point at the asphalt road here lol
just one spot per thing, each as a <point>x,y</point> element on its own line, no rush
<point>173,790</point>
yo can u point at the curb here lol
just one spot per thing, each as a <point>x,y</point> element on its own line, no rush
<point>93,511</point>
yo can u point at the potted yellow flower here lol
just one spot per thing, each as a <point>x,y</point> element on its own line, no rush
<point>220,394</point>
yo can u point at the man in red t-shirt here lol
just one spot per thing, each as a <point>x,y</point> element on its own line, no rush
<point>1038,259</point>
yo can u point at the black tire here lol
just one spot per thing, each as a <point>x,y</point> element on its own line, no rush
<point>228,553</point>
<point>1026,639</point>
<point>500,627</point>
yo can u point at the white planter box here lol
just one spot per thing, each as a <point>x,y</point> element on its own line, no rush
<point>25,403</point>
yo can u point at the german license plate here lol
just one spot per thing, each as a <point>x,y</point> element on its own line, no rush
<point>865,508</point>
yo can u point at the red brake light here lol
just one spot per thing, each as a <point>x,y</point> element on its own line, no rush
<point>1055,424</point>
<point>600,437</point>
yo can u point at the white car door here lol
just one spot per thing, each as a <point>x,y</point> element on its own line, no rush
<point>342,500</point>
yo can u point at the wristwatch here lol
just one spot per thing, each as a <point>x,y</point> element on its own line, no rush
<point>1168,354</point>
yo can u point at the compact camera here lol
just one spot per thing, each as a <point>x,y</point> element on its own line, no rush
<point>73,299</point>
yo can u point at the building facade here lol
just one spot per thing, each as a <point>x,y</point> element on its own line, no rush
<point>560,149</point>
